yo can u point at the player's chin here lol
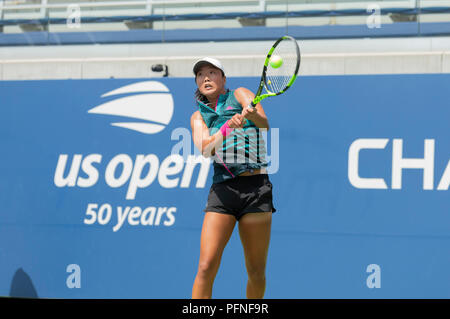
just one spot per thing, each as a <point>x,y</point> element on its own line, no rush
<point>209,92</point>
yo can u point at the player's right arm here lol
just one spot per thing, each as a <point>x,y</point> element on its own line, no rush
<point>200,133</point>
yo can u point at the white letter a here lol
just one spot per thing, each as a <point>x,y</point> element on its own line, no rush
<point>374,279</point>
<point>74,279</point>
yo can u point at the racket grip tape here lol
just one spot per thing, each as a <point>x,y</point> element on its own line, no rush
<point>251,105</point>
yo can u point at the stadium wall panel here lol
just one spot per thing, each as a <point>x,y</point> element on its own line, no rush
<point>336,144</point>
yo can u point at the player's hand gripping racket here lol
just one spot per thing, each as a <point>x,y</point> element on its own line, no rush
<point>280,69</point>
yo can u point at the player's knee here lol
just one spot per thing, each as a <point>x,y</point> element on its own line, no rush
<point>256,272</point>
<point>207,268</point>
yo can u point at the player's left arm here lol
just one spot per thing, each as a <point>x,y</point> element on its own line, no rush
<point>244,96</point>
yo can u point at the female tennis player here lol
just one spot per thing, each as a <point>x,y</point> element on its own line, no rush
<point>225,129</point>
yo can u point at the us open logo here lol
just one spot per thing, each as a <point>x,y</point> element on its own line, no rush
<point>148,108</point>
<point>149,101</point>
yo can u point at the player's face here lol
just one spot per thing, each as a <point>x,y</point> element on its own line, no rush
<point>210,81</point>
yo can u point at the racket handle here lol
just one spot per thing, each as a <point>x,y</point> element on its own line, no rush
<point>251,105</point>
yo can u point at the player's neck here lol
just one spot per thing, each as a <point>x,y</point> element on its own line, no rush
<point>213,99</point>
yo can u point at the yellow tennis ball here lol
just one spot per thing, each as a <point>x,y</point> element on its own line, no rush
<point>276,61</point>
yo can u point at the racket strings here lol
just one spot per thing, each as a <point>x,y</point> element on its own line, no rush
<point>277,79</point>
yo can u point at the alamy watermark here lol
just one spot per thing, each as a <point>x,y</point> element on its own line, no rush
<point>73,20</point>
<point>74,278</point>
<point>374,20</point>
<point>374,279</point>
<point>251,145</point>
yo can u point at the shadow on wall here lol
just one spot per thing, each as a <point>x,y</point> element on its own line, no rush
<point>22,286</point>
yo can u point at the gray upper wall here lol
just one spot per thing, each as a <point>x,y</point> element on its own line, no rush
<point>319,57</point>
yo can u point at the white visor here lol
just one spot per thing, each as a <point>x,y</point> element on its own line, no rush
<point>216,63</point>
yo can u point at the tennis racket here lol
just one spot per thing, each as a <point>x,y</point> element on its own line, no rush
<point>280,69</point>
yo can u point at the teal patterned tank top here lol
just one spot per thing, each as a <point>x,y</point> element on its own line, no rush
<point>243,149</point>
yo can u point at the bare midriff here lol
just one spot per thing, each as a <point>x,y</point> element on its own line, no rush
<point>254,172</point>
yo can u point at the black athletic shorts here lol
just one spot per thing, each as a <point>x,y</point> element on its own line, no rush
<point>240,195</point>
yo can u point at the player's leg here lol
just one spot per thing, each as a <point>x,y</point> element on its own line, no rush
<point>216,231</point>
<point>254,230</point>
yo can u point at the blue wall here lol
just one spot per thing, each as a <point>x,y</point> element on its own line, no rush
<point>403,29</point>
<point>327,229</point>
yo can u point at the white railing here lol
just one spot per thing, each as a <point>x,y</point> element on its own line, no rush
<point>41,9</point>
<point>262,5</point>
<point>16,9</point>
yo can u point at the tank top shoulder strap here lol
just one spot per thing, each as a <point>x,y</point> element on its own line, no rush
<point>232,101</point>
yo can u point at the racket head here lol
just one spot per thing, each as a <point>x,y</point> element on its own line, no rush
<point>278,79</point>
